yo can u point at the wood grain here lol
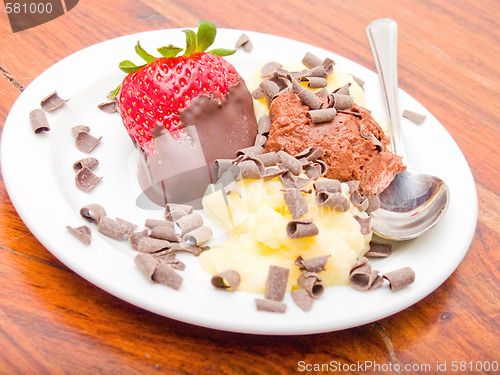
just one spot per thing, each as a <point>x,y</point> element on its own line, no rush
<point>52,321</point>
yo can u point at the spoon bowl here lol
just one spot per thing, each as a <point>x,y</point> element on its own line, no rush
<point>413,202</point>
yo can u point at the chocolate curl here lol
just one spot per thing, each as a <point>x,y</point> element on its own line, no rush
<point>52,102</point>
<point>335,201</point>
<point>277,279</point>
<point>363,278</point>
<point>165,232</point>
<point>75,130</point>
<point>328,64</point>
<point>296,203</point>
<point>316,169</point>
<point>340,101</point>
<point>86,142</point>
<point>252,151</point>
<point>353,186</point>
<point>147,265</point>
<point>290,163</point>
<point>318,71</point>
<point>264,125</point>
<point>302,299</point>
<point>316,264</point>
<point>322,115</point>
<point>108,107</point>
<point>323,93</point>
<point>251,168</point>
<point>373,203</point>
<point>228,280</point>
<point>268,69</point>
<point>86,180</point>
<point>309,99</point>
<point>152,245</point>
<point>129,227</point>
<point>344,90</point>
<point>330,186</point>
<point>359,201</point>
<point>311,282</point>
<point>270,89</point>
<point>310,60</point>
<point>198,236</point>
<point>400,278</point>
<point>258,93</point>
<point>166,275</point>
<point>39,122</point>
<point>379,250</point>
<point>112,228</point>
<point>269,159</point>
<point>270,173</point>
<point>135,238</point>
<point>301,228</point>
<point>189,222</point>
<point>365,225</point>
<point>311,153</point>
<point>92,212</point>
<point>90,163</point>
<point>83,233</point>
<point>359,81</point>
<point>260,141</point>
<point>316,82</point>
<point>174,211</point>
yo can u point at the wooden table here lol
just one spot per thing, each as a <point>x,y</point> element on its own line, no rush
<point>53,321</point>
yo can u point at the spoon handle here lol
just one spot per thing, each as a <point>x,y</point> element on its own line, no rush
<point>383,37</point>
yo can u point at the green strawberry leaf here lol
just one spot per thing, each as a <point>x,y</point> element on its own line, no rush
<point>114,93</point>
<point>222,51</point>
<point>169,51</point>
<point>129,67</point>
<point>191,42</point>
<point>206,35</point>
<point>146,56</point>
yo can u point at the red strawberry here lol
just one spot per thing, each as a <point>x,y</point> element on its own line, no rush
<point>159,90</point>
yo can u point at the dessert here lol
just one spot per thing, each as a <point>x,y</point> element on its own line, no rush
<point>183,112</point>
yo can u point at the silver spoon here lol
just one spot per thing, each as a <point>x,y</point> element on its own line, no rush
<point>413,202</point>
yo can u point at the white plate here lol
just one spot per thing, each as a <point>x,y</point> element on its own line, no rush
<point>37,170</point>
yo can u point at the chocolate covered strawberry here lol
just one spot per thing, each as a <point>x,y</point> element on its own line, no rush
<point>159,90</point>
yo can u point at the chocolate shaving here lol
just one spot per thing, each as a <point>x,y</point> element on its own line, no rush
<point>268,69</point>
<point>330,186</point>
<point>108,107</point>
<point>290,163</point>
<point>309,99</point>
<point>363,278</point>
<point>260,141</point>
<point>328,64</point>
<point>86,142</point>
<point>172,261</point>
<point>112,228</point>
<point>152,245</point>
<point>414,117</point>
<point>311,282</point>
<point>311,153</point>
<point>166,275</point>
<point>277,279</point>
<point>360,201</point>
<point>320,72</point>
<point>86,180</point>
<point>364,224</point>
<point>316,169</point>
<point>400,278</point>
<point>83,233</point>
<point>316,82</point>
<point>310,60</point>
<point>52,102</point>
<point>153,223</point>
<point>296,203</point>
<point>302,299</point>
<point>165,232</point>
<point>369,136</point>
<point>190,248</point>
<point>39,122</point>
<point>198,236</point>
<point>244,42</point>
<point>228,280</point>
<point>352,113</point>
<point>258,93</point>
<point>301,228</point>
<point>359,81</point>
<point>379,249</point>
<point>335,201</point>
<point>129,227</point>
<point>251,168</point>
<point>344,90</point>
<point>323,93</point>
<point>90,163</point>
<point>353,185</point>
<point>269,159</point>
<point>174,211</point>
<point>316,264</point>
<point>93,212</point>
<point>253,151</point>
<point>322,115</point>
<point>264,125</point>
<point>147,265</point>
<point>135,238</point>
<point>189,222</point>
<point>270,305</point>
<point>299,76</point>
<point>373,203</point>
<point>270,89</point>
<point>340,101</point>
<point>75,130</point>
<point>270,173</point>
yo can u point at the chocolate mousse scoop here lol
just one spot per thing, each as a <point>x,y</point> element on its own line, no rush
<point>214,127</point>
<point>354,144</point>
